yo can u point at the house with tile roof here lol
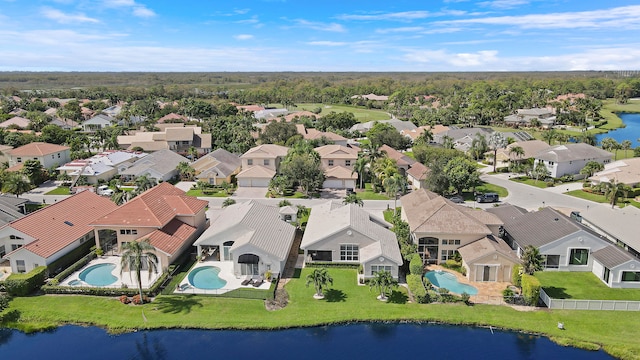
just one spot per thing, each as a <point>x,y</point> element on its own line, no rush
<point>251,235</point>
<point>160,165</point>
<point>399,125</point>
<point>313,134</point>
<point>417,175</point>
<point>49,155</point>
<point>102,166</point>
<point>488,259</point>
<point>175,137</point>
<point>300,114</point>
<point>97,122</point>
<point>260,164</point>
<point>569,159</point>
<point>172,118</point>
<point>546,117</point>
<point>616,267</point>
<point>530,147</point>
<point>16,122</point>
<point>164,215</point>
<point>346,233</point>
<point>46,235</point>
<point>403,161</point>
<point>414,134</point>
<point>626,171</point>
<point>217,167</point>
<point>338,162</point>
<point>440,228</point>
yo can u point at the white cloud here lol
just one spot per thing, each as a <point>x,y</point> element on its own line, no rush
<point>59,16</point>
<point>137,9</point>
<point>327,43</point>
<point>412,29</point>
<point>331,27</point>
<point>503,4</point>
<point>401,16</point>
<point>243,37</point>
<point>458,60</point>
<point>142,11</point>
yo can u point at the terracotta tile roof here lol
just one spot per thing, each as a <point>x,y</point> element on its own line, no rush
<point>37,149</point>
<point>16,167</point>
<point>400,158</point>
<point>336,152</point>
<point>340,172</point>
<point>155,207</point>
<point>170,238</point>
<point>486,246</point>
<point>58,225</point>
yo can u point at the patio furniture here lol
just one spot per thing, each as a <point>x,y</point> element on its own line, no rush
<point>258,282</point>
<point>247,281</point>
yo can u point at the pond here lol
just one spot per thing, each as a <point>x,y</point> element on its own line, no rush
<point>354,341</point>
<point>630,132</point>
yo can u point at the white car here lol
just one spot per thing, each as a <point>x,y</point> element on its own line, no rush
<point>104,190</point>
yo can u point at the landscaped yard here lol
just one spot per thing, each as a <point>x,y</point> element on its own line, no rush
<point>485,188</point>
<point>61,190</point>
<point>599,198</point>
<point>200,193</point>
<point>368,194</point>
<point>531,182</point>
<point>345,301</point>
<point>361,114</point>
<point>581,285</point>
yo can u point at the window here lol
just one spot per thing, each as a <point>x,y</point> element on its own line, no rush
<point>249,269</point>
<point>266,162</point>
<point>447,254</point>
<point>52,156</point>
<point>347,163</point>
<point>606,274</point>
<point>3,252</point>
<point>15,246</point>
<point>551,261</point>
<point>330,162</point>
<point>226,251</point>
<point>58,155</point>
<point>445,242</point>
<point>128,232</point>
<point>376,268</point>
<point>321,255</point>
<point>249,162</point>
<point>20,266</point>
<point>349,252</point>
<point>579,257</point>
<point>630,276</point>
<point>185,143</point>
<point>456,242</point>
<point>13,237</point>
<point>19,159</point>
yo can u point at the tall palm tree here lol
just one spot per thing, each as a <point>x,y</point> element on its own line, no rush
<point>144,183</point>
<point>193,152</point>
<point>135,255</point>
<point>382,280</point>
<point>496,141</point>
<point>517,151</point>
<point>186,171</point>
<point>625,145</point>
<point>14,183</point>
<point>353,199</point>
<point>614,190</point>
<point>319,278</point>
<point>549,135</point>
<point>360,167</point>
<point>531,260</point>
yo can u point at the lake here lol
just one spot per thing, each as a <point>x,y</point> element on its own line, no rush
<point>354,341</point>
<point>630,132</point>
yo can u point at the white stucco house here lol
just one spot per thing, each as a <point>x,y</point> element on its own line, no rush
<point>569,159</point>
<point>350,234</point>
<point>252,235</point>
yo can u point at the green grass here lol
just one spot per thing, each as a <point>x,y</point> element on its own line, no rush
<point>368,194</point>
<point>531,182</point>
<point>581,285</point>
<point>61,190</point>
<point>486,187</point>
<point>199,193</point>
<point>345,301</point>
<point>361,114</point>
<point>296,195</point>
<point>599,198</point>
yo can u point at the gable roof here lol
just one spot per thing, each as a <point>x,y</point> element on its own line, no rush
<point>340,172</point>
<point>38,149</point>
<point>256,171</point>
<point>611,256</point>
<point>336,152</point>
<point>400,158</point>
<point>626,171</point>
<point>99,119</point>
<point>418,171</point>
<point>220,160</point>
<point>266,151</point>
<point>486,246</point>
<point>427,213</point>
<point>256,224</point>
<point>329,218</point>
<point>58,225</point>
<point>506,211</point>
<point>16,121</point>
<point>171,237</point>
<point>155,207</point>
<point>572,152</point>
<point>161,161</point>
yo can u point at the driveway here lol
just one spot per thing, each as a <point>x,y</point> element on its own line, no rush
<point>185,185</point>
<point>250,193</point>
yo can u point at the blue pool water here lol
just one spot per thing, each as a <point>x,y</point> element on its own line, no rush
<point>98,275</point>
<point>374,341</point>
<point>631,131</point>
<point>206,278</point>
<point>443,279</point>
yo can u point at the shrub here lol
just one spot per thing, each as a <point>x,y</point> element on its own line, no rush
<point>24,284</point>
<point>77,265</point>
<point>445,295</point>
<point>136,299</point>
<point>415,265</point>
<point>416,286</point>
<point>466,298</point>
<point>125,299</point>
<point>4,301</point>
<point>516,275</point>
<point>507,295</point>
<point>530,289</point>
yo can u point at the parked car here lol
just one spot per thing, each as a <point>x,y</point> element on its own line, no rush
<point>487,198</point>
<point>457,199</point>
<point>104,190</point>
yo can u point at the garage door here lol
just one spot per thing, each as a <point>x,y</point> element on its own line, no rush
<point>252,182</point>
<point>333,184</point>
<point>244,182</point>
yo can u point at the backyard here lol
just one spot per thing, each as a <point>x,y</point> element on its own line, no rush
<point>361,114</point>
<point>581,285</point>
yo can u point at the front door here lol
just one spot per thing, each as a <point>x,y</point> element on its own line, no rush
<point>486,274</point>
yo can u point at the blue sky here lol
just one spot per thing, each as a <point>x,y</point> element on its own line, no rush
<point>295,35</point>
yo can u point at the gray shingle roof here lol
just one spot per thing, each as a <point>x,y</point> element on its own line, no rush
<point>161,161</point>
<point>507,211</point>
<point>225,165</point>
<point>486,246</point>
<point>572,152</point>
<point>612,256</point>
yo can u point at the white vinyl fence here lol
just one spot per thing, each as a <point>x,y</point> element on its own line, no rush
<point>569,304</point>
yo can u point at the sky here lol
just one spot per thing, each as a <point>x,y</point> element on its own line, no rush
<point>296,35</point>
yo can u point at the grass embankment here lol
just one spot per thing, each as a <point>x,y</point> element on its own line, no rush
<point>361,114</point>
<point>344,302</point>
<point>61,190</point>
<point>599,198</point>
<point>581,285</point>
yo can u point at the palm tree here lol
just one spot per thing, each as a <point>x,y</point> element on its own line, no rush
<point>186,171</point>
<point>531,260</point>
<point>144,183</point>
<point>353,199</point>
<point>319,278</point>
<point>496,141</point>
<point>614,190</point>
<point>625,145</point>
<point>228,202</point>
<point>15,184</point>
<point>135,255</point>
<point>447,142</point>
<point>517,151</point>
<point>550,135</point>
<point>193,153</point>
<point>360,167</point>
<point>382,280</point>
<point>611,145</point>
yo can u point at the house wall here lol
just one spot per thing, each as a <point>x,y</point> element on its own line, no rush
<point>338,162</point>
<point>6,241</point>
<point>559,169</point>
<point>417,184</point>
<point>333,242</point>
<point>50,160</point>
<point>502,265</point>
<point>563,246</point>
<point>198,221</point>
<point>31,260</point>
<point>615,276</point>
<point>464,240</point>
<point>274,162</point>
<point>267,262</point>
<point>376,261</point>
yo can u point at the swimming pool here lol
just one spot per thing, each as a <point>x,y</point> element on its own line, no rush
<point>98,275</point>
<point>206,278</point>
<point>443,279</point>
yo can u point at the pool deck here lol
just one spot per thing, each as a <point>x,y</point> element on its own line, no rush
<point>226,273</point>
<point>489,292</point>
<point>123,279</point>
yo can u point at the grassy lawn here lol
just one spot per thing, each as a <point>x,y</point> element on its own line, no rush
<point>486,187</point>
<point>601,199</point>
<point>368,194</point>
<point>199,193</point>
<point>581,285</point>
<point>361,114</point>
<point>61,190</point>
<point>345,301</point>
<point>532,182</point>
<point>296,195</point>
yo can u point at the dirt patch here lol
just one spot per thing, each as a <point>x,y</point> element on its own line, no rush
<point>279,302</point>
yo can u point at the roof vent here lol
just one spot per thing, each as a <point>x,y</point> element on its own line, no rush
<point>556,219</point>
<point>68,223</point>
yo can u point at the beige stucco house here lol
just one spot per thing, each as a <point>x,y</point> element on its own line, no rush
<point>260,164</point>
<point>338,162</point>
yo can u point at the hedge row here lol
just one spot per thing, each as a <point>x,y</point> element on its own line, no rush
<point>76,266</point>
<point>516,275</point>
<point>415,265</point>
<point>80,290</point>
<point>321,264</point>
<point>23,284</point>
<point>416,286</point>
<point>530,289</point>
<point>71,258</point>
